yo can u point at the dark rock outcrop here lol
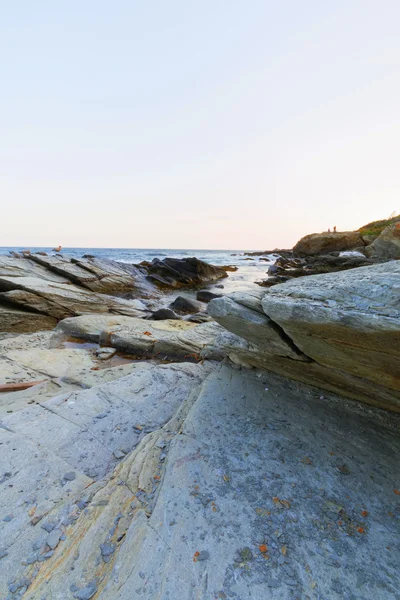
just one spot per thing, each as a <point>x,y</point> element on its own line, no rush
<point>290,267</point>
<point>162,314</point>
<point>175,273</point>
<point>206,295</point>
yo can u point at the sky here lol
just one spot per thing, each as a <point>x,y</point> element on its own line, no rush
<point>221,124</point>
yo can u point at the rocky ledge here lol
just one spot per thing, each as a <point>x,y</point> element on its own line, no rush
<point>339,331</point>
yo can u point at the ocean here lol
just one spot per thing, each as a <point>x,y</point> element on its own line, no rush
<point>250,269</point>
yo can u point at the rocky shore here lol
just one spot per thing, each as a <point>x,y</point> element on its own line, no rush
<point>239,446</point>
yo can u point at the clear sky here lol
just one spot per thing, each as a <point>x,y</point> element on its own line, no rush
<point>187,124</point>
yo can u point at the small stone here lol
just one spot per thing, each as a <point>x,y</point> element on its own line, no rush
<point>17,585</point>
<point>119,454</point>
<point>107,550</point>
<point>8,518</point>
<point>70,476</point>
<point>49,526</point>
<point>46,555</point>
<point>53,538</point>
<point>87,592</point>
<point>203,555</point>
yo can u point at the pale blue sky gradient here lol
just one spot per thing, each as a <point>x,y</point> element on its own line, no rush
<point>213,124</point>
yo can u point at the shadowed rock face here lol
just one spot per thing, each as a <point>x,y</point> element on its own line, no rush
<point>346,325</point>
<point>323,243</point>
<point>177,273</point>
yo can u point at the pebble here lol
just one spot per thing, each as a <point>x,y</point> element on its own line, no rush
<point>53,538</point>
<point>204,555</point>
<point>46,556</point>
<point>8,518</point>
<point>119,453</point>
<point>70,476</point>
<point>49,526</point>
<point>17,585</point>
<point>107,550</point>
<point>87,592</point>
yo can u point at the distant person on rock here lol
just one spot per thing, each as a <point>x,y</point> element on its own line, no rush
<point>58,249</point>
<point>334,229</point>
<point>329,230</point>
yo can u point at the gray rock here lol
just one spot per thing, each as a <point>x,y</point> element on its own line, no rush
<point>60,300</point>
<point>341,329</point>
<point>87,592</point>
<point>163,314</point>
<point>70,476</point>
<point>185,305</point>
<point>387,245</point>
<point>53,538</point>
<point>206,295</point>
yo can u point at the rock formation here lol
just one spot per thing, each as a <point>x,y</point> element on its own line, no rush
<point>324,243</point>
<point>177,273</point>
<point>56,287</point>
<point>338,331</point>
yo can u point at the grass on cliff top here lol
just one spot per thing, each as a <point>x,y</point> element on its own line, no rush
<point>376,227</point>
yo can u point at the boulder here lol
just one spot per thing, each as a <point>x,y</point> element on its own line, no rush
<point>345,327</point>
<point>206,295</point>
<point>176,273</point>
<point>60,300</point>
<point>166,340</point>
<point>323,243</point>
<point>185,305</point>
<point>387,245</point>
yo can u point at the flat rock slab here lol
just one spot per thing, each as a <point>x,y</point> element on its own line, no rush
<point>268,491</point>
<point>265,486</point>
<point>169,339</point>
<point>55,451</point>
